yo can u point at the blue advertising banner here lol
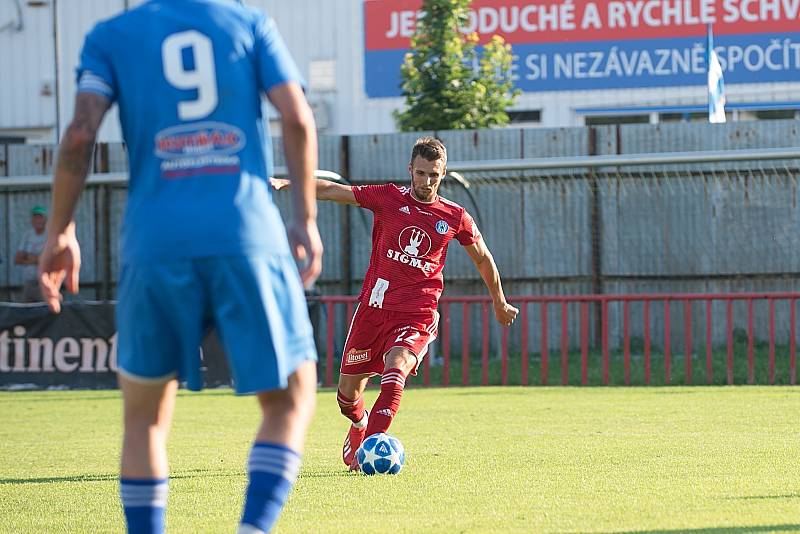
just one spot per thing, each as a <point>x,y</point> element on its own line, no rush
<point>586,45</point>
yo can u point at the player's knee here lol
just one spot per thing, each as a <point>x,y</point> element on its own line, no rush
<point>293,403</point>
<point>299,397</point>
<point>404,360</point>
<point>140,432</point>
<point>143,420</point>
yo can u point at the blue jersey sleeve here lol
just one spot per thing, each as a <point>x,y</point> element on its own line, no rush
<point>274,63</point>
<point>94,73</point>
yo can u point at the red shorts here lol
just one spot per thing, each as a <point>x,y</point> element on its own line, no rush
<point>374,331</point>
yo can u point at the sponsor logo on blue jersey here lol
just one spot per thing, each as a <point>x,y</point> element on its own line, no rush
<point>202,138</point>
<point>199,148</point>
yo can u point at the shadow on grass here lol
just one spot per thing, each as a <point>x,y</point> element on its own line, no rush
<point>22,396</point>
<point>762,497</point>
<point>50,480</point>
<point>190,473</point>
<point>329,474</point>
<point>719,530</point>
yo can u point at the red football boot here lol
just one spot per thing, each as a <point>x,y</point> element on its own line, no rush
<point>353,441</point>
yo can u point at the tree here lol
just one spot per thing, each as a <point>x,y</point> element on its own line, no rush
<point>447,84</point>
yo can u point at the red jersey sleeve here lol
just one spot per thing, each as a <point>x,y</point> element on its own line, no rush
<point>371,197</point>
<point>467,233</point>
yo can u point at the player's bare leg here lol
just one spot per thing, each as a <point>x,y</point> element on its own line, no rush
<point>288,412</point>
<point>148,409</point>
<point>275,458</point>
<point>399,363</point>
<point>350,396</point>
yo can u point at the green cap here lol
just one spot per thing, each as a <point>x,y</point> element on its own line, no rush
<point>39,210</point>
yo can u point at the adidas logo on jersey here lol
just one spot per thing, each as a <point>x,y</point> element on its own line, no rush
<point>405,210</point>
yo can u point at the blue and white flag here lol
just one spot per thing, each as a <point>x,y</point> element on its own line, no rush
<point>716,85</point>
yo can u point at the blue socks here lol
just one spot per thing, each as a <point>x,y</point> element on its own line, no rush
<point>144,502</point>
<point>272,470</point>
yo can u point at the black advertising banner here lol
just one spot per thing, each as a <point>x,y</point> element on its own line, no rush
<point>76,348</point>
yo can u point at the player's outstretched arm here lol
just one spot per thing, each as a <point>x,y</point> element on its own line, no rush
<point>300,147</point>
<point>504,312</point>
<point>325,190</point>
<point>60,260</point>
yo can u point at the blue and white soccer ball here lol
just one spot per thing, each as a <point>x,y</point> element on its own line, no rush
<point>381,454</point>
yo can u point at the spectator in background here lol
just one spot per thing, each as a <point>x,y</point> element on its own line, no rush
<point>30,246</point>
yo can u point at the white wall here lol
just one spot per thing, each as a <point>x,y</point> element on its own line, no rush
<point>75,19</point>
<point>315,30</point>
<point>27,69</point>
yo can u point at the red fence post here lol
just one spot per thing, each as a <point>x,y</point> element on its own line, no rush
<point>646,313</point>
<point>504,357</point>
<point>792,342</point>
<point>604,340</point>
<point>729,331</point>
<point>564,345</point>
<point>667,343</point>
<point>523,350</point>
<point>485,344</point>
<point>771,341</point>
<point>446,344</point>
<point>750,359</point>
<point>545,343</point>
<point>465,344</point>
<point>333,304</point>
<point>709,361</point>
<point>584,343</point>
<point>426,371</point>
<point>626,341</point>
<point>687,332</point>
<point>329,306</point>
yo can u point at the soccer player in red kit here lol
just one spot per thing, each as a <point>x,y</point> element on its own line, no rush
<point>396,318</point>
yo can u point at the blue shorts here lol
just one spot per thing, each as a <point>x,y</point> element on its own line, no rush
<point>256,303</point>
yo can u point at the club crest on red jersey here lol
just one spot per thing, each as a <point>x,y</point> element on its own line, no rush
<point>415,242</point>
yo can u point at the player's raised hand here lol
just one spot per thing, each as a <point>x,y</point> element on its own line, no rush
<point>306,248</point>
<point>59,263</point>
<point>505,313</point>
<point>279,183</point>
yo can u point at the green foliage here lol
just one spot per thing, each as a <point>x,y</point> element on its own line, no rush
<point>446,83</point>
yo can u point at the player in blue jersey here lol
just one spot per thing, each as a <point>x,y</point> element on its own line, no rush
<point>202,242</point>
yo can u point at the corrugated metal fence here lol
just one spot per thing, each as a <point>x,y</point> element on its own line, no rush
<point>711,227</point>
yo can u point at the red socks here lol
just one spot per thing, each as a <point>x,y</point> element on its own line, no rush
<point>352,409</point>
<point>388,402</point>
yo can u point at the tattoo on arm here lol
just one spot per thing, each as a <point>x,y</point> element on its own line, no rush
<point>74,158</point>
<point>75,152</point>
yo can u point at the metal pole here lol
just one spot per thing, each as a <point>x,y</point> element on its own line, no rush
<point>346,230</point>
<point>57,82</point>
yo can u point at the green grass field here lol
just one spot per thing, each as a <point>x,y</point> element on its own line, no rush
<point>678,459</point>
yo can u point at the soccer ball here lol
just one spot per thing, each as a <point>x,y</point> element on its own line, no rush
<point>381,454</point>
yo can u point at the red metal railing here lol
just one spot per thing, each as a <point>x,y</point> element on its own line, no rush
<point>583,301</point>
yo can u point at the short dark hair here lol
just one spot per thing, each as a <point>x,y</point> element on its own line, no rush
<point>429,148</point>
